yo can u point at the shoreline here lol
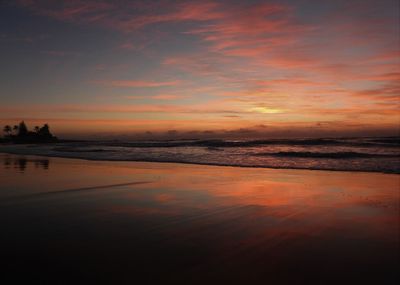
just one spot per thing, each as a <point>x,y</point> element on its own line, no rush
<point>197,163</point>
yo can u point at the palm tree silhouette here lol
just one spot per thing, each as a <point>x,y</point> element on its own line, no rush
<point>22,129</point>
<point>20,133</point>
<point>15,129</point>
<point>7,130</point>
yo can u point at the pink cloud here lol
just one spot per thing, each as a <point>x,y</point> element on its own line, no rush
<point>125,17</point>
<point>60,53</point>
<point>157,97</point>
<point>137,83</point>
<point>144,108</point>
<point>128,46</point>
<point>260,54</point>
<point>168,97</point>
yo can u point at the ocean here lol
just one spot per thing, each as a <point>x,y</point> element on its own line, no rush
<point>342,154</point>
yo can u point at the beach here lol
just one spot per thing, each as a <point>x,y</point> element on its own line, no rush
<point>200,142</point>
<point>74,221</point>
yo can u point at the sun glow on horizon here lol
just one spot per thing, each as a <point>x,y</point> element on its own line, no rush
<point>265,110</point>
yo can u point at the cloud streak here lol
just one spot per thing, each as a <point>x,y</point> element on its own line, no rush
<point>136,83</point>
<point>247,62</point>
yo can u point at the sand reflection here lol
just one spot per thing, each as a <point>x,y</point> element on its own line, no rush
<point>21,163</point>
<point>202,223</point>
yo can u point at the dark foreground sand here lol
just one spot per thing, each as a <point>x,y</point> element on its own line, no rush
<point>66,221</point>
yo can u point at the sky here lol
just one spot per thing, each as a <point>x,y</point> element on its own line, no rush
<point>201,69</point>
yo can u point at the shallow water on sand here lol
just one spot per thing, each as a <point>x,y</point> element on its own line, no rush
<point>67,221</point>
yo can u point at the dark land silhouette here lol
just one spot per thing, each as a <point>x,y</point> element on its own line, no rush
<point>21,134</point>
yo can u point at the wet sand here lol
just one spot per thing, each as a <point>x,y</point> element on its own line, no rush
<point>70,221</point>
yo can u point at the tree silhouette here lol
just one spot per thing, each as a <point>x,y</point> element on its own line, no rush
<point>45,131</point>
<point>22,129</point>
<point>7,130</point>
<point>15,129</point>
<point>20,134</point>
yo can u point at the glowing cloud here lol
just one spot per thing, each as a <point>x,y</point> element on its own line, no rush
<point>265,110</point>
<point>218,64</point>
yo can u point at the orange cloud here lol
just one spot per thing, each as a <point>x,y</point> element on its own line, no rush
<point>265,62</point>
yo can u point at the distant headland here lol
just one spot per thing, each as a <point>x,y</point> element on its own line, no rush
<point>20,134</point>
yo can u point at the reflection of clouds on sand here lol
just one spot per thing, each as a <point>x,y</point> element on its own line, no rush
<point>203,222</point>
<point>21,163</point>
<point>268,203</point>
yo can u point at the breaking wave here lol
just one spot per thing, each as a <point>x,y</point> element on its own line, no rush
<point>355,154</point>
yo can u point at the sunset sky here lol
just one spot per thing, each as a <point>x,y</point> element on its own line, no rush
<point>201,68</point>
